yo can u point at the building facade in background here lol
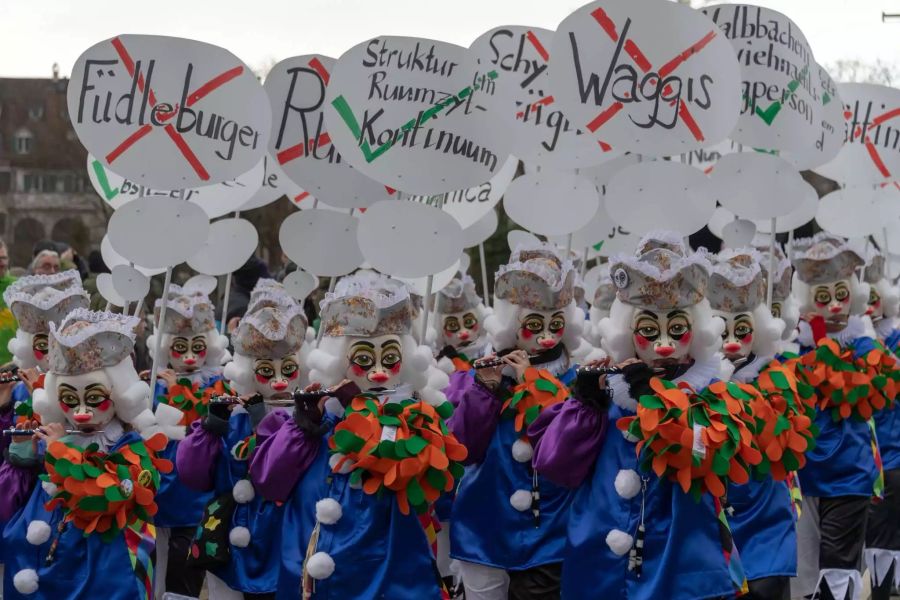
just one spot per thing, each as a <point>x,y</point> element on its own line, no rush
<point>44,188</point>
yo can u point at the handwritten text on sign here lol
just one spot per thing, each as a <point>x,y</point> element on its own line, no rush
<point>168,112</point>
<point>655,78</point>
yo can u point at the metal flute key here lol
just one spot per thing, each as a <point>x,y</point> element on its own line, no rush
<point>485,363</point>
<point>29,432</point>
<point>277,402</point>
<point>9,377</point>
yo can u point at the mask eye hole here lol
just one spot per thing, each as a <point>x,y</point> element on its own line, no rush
<point>390,358</point>
<point>180,346</point>
<point>841,294</point>
<point>647,329</point>
<point>265,370</point>
<point>95,398</point>
<point>776,310</point>
<point>534,324</point>
<point>69,398</point>
<point>823,296</point>
<point>288,368</point>
<point>451,324</point>
<point>39,344</point>
<point>557,323</point>
<point>742,329</point>
<point>364,359</point>
<point>469,321</point>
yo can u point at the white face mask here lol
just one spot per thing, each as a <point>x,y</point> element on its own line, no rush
<point>276,377</point>
<point>85,399</point>
<point>462,329</point>
<point>831,301</point>
<point>540,330</point>
<point>41,350</point>
<point>187,354</point>
<point>662,337</point>
<point>875,308</point>
<point>375,362</point>
<point>737,339</point>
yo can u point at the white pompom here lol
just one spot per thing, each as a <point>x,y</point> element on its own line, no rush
<point>26,581</point>
<point>522,451</point>
<point>320,565</point>
<point>628,483</point>
<point>328,511</point>
<point>619,542</point>
<point>243,491</point>
<point>38,532</point>
<point>239,537</point>
<point>629,438</point>
<point>521,500</point>
<point>49,487</point>
<point>345,468</point>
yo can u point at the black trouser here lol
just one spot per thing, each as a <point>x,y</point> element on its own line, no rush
<point>180,578</point>
<point>842,522</point>
<point>536,583</point>
<point>769,588</point>
<point>883,531</point>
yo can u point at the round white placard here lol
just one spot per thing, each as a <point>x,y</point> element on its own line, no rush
<point>228,246</point>
<point>757,185</point>
<point>130,283</point>
<point>322,242</point>
<point>419,285</point>
<point>800,216</point>
<point>406,239</point>
<point>646,76</point>
<point>551,202</point>
<point>168,112</point>
<point>300,284</point>
<point>108,290</point>
<point>660,195</point>
<point>464,262</point>
<point>479,231</point>
<point>275,184</point>
<point>738,233</point>
<point>719,219</point>
<point>517,237</point>
<point>158,232</point>
<point>112,258</point>
<point>850,212</point>
<point>200,284</point>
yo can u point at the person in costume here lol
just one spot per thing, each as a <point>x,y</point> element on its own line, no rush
<point>784,305</point>
<point>838,353</point>
<point>36,301</point>
<point>762,516</point>
<point>508,522</point>
<point>459,325</point>
<point>601,304</point>
<point>239,532</point>
<point>882,553</point>
<point>648,524</point>
<point>357,465</point>
<point>192,352</point>
<point>84,529</point>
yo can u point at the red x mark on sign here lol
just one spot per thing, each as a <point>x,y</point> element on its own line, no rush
<point>192,98</point>
<point>632,49</point>
<point>870,147</point>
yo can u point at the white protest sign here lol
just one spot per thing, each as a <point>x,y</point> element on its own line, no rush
<point>851,212</point>
<point>112,258</point>
<point>706,158</point>
<point>158,232</point>
<point>469,205</point>
<point>479,231</point>
<point>322,242</point>
<point>719,219</point>
<point>419,285</point>
<point>781,106</point>
<point>229,244</point>
<point>804,212</point>
<point>300,142</point>
<point>108,290</point>
<point>738,233</point>
<point>517,237</point>
<point>551,202</point>
<point>871,150</point>
<point>404,112</point>
<point>648,76</point>
<point>129,283</point>
<point>464,262</point>
<point>300,284</point>
<point>520,98</point>
<point>660,195</point>
<point>167,112</point>
<point>200,284</point>
<point>215,200</point>
<point>406,239</point>
<point>275,184</point>
<point>756,185</point>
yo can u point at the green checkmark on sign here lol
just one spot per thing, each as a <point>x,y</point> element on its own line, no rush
<point>100,172</point>
<point>768,115</point>
<point>347,115</point>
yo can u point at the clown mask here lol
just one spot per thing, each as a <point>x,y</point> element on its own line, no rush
<point>85,400</point>
<point>663,337</point>
<point>737,339</point>
<point>375,362</point>
<point>540,330</point>
<point>187,354</point>
<point>461,329</point>
<point>875,308</point>
<point>831,301</point>
<point>41,350</point>
<point>275,377</point>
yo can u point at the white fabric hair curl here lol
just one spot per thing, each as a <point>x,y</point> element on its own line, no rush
<point>616,331</point>
<point>503,323</point>
<point>21,347</point>
<point>767,332</point>
<point>216,347</point>
<point>328,366</point>
<point>130,397</point>
<point>859,296</point>
<point>890,298</point>
<point>790,314</point>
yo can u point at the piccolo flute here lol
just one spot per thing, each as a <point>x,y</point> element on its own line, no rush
<point>9,377</point>
<point>146,376</point>
<point>29,432</point>
<point>484,363</point>
<point>230,400</point>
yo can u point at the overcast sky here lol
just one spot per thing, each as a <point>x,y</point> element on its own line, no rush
<point>34,34</point>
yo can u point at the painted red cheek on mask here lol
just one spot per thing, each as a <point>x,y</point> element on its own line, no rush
<point>560,333</point>
<point>357,370</point>
<point>39,355</point>
<point>821,304</point>
<point>202,353</point>
<point>176,354</point>
<point>104,406</point>
<point>449,334</point>
<point>641,342</point>
<point>395,369</point>
<point>293,375</point>
<point>262,379</point>
<point>846,300</point>
<point>65,407</point>
<point>747,339</point>
<point>526,334</point>
<point>685,339</point>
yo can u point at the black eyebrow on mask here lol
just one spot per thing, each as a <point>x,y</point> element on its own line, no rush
<point>743,316</point>
<point>362,343</point>
<point>390,343</point>
<point>94,386</point>
<point>68,387</point>
<point>534,316</point>
<point>647,313</point>
<point>676,313</point>
<point>180,337</point>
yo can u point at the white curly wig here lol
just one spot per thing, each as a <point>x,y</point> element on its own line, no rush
<point>130,397</point>
<point>592,327</point>
<point>790,315</point>
<point>617,332</point>
<point>503,324</point>
<point>216,347</point>
<point>329,363</point>
<point>21,347</point>
<point>859,296</point>
<point>890,298</point>
<point>767,332</point>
